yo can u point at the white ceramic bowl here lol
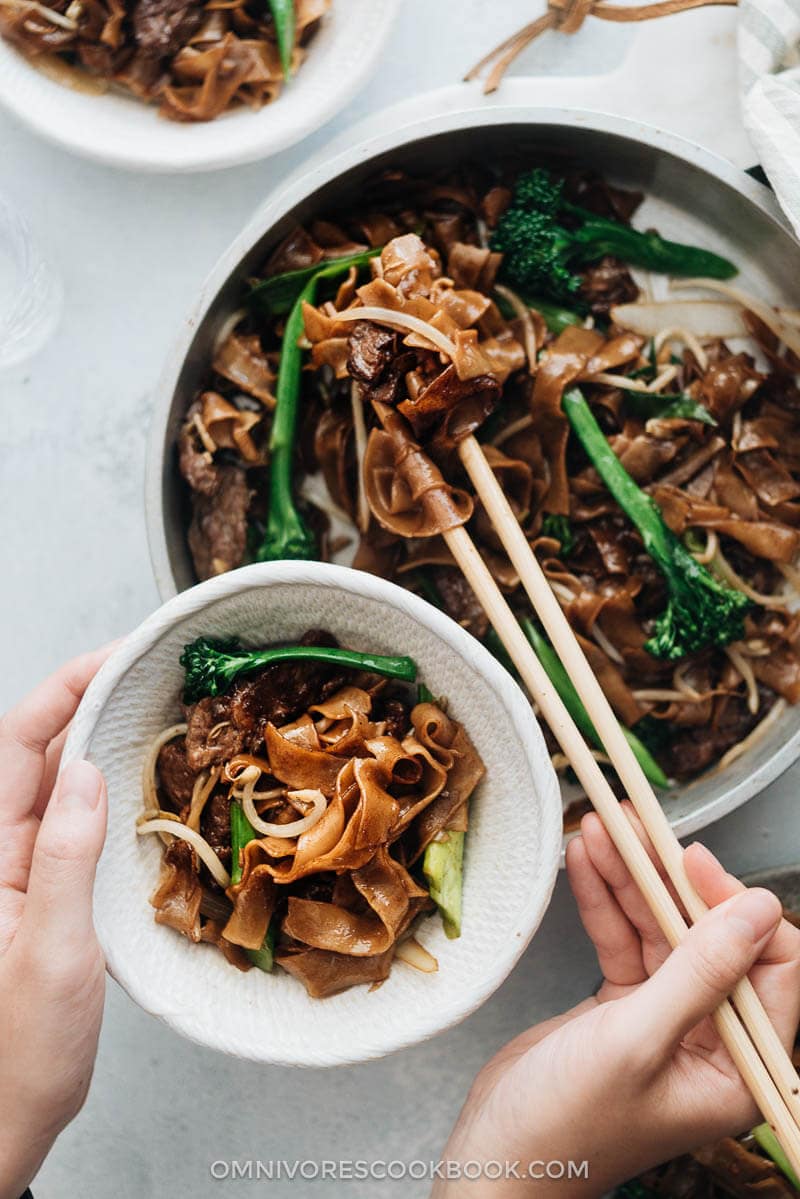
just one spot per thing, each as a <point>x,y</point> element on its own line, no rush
<point>513,846</point>
<point>118,129</point>
<point>692,196</point>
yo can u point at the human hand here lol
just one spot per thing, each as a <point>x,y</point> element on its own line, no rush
<point>636,1074</point>
<point>51,968</point>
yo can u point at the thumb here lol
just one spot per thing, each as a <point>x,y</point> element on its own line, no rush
<point>697,976</point>
<point>58,906</point>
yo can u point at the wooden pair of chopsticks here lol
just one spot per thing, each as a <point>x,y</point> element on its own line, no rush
<point>742,1023</point>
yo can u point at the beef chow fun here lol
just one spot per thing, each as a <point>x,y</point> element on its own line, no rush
<point>195,59</point>
<point>639,410</point>
<point>312,808</point>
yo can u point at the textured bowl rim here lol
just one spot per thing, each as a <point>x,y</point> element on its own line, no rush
<point>422,1024</point>
<point>260,140</point>
<point>448,110</point>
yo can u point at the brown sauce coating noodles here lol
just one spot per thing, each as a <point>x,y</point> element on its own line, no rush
<point>387,775</point>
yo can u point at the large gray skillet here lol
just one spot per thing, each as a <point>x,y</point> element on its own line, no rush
<point>692,195</point>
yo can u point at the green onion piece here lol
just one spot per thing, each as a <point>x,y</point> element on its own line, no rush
<point>443,867</point>
<point>559,528</point>
<point>680,406</point>
<point>766,1138</point>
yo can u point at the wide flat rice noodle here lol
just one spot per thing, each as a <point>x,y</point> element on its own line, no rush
<point>400,764</point>
<point>448,810</point>
<point>211,934</point>
<point>563,363</point>
<point>386,887</point>
<point>177,897</point>
<point>780,670</point>
<point>341,703</point>
<point>302,731</point>
<point>241,359</point>
<point>771,481</point>
<point>610,678</point>
<point>253,902</point>
<point>405,490</point>
<point>762,536</point>
<point>324,974</point>
<point>347,735</point>
<point>301,768</point>
<point>357,821</point>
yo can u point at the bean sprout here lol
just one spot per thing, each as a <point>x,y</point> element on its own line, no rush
<point>149,769</point>
<point>163,824</point>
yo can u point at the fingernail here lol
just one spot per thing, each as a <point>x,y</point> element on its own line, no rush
<point>79,787</point>
<point>700,850</point>
<point>755,913</point>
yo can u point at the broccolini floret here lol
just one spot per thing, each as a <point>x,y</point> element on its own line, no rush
<point>701,610</point>
<point>545,239</point>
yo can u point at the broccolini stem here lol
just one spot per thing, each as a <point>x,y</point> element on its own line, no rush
<point>701,610</point>
<point>572,702</point>
<point>212,666</point>
<point>642,510</point>
<point>287,536</point>
<point>283,15</point>
<point>276,295</point>
<point>597,237</point>
<point>554,316</point>
<point>541,253</point>
<point>242,832</point>
<point>393,667</point>
<point>264,958</point>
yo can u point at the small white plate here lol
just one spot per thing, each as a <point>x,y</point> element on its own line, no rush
<point>512,852</point>
<point>118,129</point>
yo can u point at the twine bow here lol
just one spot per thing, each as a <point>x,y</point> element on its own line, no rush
<point>567,16</point>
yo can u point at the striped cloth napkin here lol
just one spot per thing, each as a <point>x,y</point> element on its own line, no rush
<point>769,75</point>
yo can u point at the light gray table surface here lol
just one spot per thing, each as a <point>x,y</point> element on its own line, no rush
<point>132,252</point>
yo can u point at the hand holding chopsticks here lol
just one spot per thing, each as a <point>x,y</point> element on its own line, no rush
<point>633,1073</point>
<point>776,1096</point>
<point>762,1062</point>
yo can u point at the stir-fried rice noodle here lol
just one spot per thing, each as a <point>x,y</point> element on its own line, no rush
<point>360,434</point>
<point>430,342</point>
<point>193,60</point>
<point>300,803</point>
